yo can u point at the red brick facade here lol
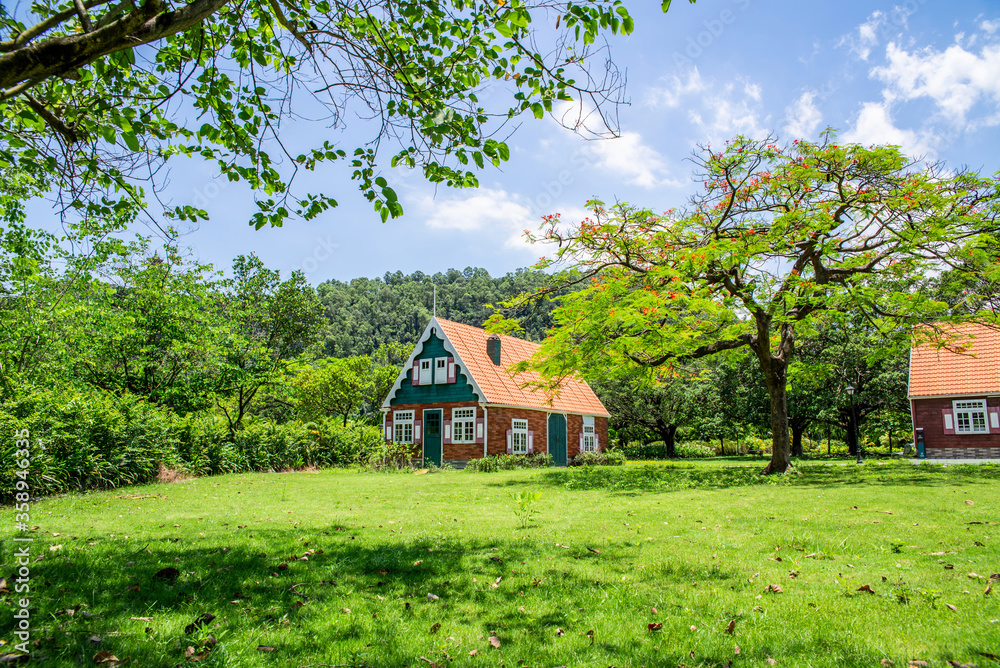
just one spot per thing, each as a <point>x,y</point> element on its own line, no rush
<point>928,415</point>
<point>498,421</point>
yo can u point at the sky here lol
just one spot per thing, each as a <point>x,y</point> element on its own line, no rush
<point>922,74</point>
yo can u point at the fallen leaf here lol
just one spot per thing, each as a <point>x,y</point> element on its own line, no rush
<point>917,663</point>
<point>951,607</point>
<point>867,588</point>
<point>495,642</point>
<point>560,632</point>
<point>989,588</point>
<point>654,626</point>
<point>200,621</point>
<point>775,588</point>
<point>974,576</point>
<point>434,629</point>
<point>736,650</point>
<point>949,567</point>
<point>731,626</point>
<point>886,662</point>
<point>264,648</point>
<point>433,597</point>
<point>594,550</point>
<point>694,628</point>
<point>474,652</point>
<point>590,634</point>
<point>653,610</point>
<point>771,662</point>
<point>970,502</point>
<point>104,656</point>
<point>496,559</point>
<point>346,611</point>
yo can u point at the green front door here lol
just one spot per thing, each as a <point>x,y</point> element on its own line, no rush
<point>432,437</point>
<point>557,439</point>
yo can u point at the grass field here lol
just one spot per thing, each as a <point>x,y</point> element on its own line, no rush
<point>650,565</point>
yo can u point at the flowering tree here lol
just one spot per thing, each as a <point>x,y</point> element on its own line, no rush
<point>780,237</point>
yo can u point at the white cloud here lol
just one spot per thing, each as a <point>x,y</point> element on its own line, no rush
<point>628,158</point>
<point>989,27</point>
<point>875,126</point>
<point>676,88</point>
<point>867,35</point>
<point>803,117</point>
<point>726,113</point>
<point>956,80</point>
<point>494,213</point>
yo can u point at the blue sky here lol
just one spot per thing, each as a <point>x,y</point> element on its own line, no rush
<point>922,74</point>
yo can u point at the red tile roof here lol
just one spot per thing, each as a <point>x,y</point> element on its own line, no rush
<point>967,366</point>
<point>574,396</point>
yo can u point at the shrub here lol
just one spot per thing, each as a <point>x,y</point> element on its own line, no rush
<point>606,458</point>
<point>85,440</point>
<point>694,449</point>
<point>493,463</point>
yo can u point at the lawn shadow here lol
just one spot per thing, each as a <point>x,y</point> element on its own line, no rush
<point>150,600</point>
<point>670,477</point>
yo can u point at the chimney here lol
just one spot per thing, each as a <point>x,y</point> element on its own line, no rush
<point>493,348</point>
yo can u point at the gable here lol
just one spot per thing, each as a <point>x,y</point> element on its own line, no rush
<point>408,393</point>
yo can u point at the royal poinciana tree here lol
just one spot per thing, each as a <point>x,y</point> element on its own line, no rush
<point>97,95</point>
<point>779,237</point>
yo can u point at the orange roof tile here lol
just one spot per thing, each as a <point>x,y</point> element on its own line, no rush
<point>942,372</point>
<point>574,396</point>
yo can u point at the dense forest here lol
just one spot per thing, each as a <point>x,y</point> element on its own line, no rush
<point>366,313</point>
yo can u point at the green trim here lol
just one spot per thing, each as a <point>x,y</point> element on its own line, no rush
<point>408,393</point>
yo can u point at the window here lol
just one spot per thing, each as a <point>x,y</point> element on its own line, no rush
<point>425,372</point>
<point>970,417</point>
<point>440,370</point>
<point>402,424</point>
<point>463,422</point>
<point>589,441</point>
<point>519,433</point>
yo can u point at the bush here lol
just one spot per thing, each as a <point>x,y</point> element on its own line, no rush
<point>606,458</point>
<point>493,463</point>
<point>694,450</point>
<point>94,439</point>
<point>85,440</point>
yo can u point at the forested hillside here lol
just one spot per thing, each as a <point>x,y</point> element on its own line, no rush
<point>368,312</point>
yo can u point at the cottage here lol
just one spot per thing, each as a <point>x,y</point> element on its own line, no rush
<point>455,401</point>
<point>955,395</point>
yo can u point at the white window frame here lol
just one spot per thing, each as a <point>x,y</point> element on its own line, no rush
<point>402,427</point>
<point>440,370</point>
<point>463,425</point>
<point>589,434</point>
<point>519,436</point>
<point>970,416</point>
<point>426,374</point>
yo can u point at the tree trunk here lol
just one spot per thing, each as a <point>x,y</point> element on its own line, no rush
<point>852,437</point>
<point>796,439</point>
<point>666,433</point>
<point>775,370</point>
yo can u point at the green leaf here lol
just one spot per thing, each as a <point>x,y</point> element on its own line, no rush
<point>130,141</point>
<point>537,109</point>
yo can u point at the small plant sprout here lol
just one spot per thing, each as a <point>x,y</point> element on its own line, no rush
<point>524,506</point>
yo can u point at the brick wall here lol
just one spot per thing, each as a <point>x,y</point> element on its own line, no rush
<point>927,415</point>
<point>448,450</point>
<point>500,421</point>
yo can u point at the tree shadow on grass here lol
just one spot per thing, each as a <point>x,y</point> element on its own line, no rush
<point>334,595</point>
<point>630,480</point>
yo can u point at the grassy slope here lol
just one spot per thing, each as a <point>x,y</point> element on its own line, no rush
<point>697,544</point>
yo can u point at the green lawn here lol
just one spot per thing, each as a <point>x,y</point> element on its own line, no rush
<point>335,568</point>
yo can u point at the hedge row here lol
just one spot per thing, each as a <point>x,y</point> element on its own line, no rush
<point>82,440</point>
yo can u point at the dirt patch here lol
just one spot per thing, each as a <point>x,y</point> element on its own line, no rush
<point>169,475</point>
